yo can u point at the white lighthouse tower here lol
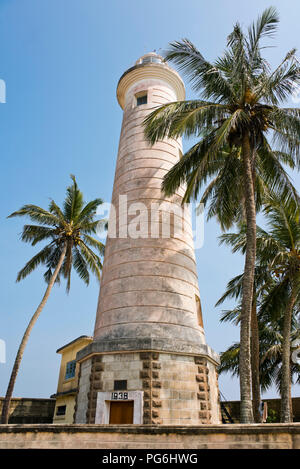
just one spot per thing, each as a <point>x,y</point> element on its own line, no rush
<point>149,362</point>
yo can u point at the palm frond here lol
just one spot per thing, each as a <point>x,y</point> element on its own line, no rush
<point>182,118</point>
<point>34,233</point>
<point>73,202</point>
<point>265,26</point>
<point>203,75</point>
<point>89,240</point>
<point>89,211</point>
<point>40,258</point>
<point>37,214</point>
<point>93,261</point>
<point>80,266</point>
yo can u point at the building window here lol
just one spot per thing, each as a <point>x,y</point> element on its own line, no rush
<point>70,369</point>
<point>199,311</point>
<point>141,99</point>
<point>61,410</point>
<point>120,385</point>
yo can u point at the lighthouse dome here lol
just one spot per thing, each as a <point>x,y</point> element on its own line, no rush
<point>151,57</point>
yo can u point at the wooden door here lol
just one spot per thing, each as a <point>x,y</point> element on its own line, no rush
<point>121,412</point>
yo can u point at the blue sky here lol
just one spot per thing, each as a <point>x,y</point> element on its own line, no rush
<point>61,61</point>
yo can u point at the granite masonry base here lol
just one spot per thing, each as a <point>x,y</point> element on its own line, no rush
<point>45,436</point>
<point>167,388</point>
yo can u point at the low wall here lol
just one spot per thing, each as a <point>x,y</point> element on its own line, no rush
<point>30,410</point>
<point>233,408</point>
<point>266,436</point>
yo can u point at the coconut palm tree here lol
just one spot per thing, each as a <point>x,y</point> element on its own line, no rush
<point>271,357</point>
<point>278,253</point>
<point>262,280</point>
<point>280,246</point>
<point>68,232</point>
<point>270,352</point>
<point>240,108</point>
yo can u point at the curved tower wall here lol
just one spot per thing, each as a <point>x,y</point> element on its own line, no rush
<point>149,285</point>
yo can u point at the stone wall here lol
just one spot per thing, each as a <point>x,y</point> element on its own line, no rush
<point>267,436</point>
<point>233,408</point>
<point>185,390</point>
<point>81,405</point>
<point>29,410</point>
<point>178,389</point>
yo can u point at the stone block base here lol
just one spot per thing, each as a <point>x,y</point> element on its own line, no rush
<point>177,389</point>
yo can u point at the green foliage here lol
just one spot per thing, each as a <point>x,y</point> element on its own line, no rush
<point>277,268</point>
<point>239,95</point>
<point>73,226</point>
<point>270,340</point>
<point>272,416</point>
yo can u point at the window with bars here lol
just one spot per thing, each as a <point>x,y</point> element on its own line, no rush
<point>70,369</point>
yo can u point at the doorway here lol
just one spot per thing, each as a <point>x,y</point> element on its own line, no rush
<point>105,400</point>
<point>121,412</point>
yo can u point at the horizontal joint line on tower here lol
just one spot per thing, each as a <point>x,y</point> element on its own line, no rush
<point>150,158</point>
<point>146,306</point>
<point>138,188</point>
<point>148,291</point>
<point>151,260</point>
<point>151,322</point>
<point>149,275</point>
<point>177,239</point>
<point>152,198</point>
<point>142,167</point>
<point>127,148</point>
<point>156,248</point>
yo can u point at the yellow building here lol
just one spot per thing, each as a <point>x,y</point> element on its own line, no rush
<point>68,380</point>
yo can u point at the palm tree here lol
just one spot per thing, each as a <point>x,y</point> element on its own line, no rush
<point>280,246</point>
<point>270,352</point>
<point>239,109</point>
<point>262,280</point>
<point>278,253</point>
<point>271,361</point>
<point>71,244</point>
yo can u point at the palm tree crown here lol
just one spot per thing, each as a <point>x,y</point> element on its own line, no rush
<point>71,226</point>
<point>241,97</point>
<point>241,94</point>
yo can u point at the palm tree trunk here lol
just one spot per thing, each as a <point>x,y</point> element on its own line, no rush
<point>255,365</point>
<point>13,376</point>
<point>291,403</point>
<point>248,282</point>
<point>285,386</point>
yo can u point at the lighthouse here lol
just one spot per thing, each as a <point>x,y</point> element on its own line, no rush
<point>148,362</point>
